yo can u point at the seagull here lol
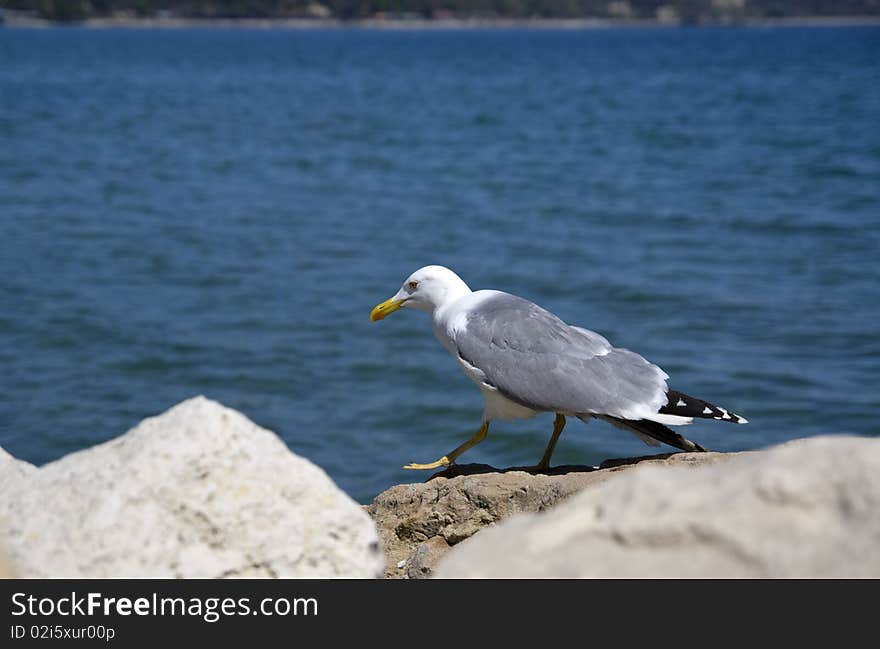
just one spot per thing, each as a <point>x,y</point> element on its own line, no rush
<point>526,361</point>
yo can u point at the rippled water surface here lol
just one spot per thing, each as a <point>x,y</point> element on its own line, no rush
<point>215,212</point>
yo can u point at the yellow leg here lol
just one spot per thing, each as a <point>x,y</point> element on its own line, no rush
<point>558,425</point>
<point>449,458</point>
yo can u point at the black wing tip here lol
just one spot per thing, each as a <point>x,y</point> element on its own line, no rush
<point>684,405</point>
<point>657,431</point>
<point>688,445</point>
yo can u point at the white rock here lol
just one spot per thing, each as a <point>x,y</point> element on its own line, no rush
<point>809,508</point>
<point>6,571</point>
<point>199,491</point>
<point>12,471</point>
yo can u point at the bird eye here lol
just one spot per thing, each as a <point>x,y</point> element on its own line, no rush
<point>413,285</point>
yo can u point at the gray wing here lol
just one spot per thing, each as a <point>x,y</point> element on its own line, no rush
<point>535,359</point>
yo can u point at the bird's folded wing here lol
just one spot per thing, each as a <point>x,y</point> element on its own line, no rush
<point>535,359</point>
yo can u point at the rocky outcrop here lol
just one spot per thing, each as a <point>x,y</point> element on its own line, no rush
<point>200,491</point>
<point>418,523</point>
<point>809,508</point>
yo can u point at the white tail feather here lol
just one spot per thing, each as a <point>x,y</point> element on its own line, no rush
<point>669,420</point>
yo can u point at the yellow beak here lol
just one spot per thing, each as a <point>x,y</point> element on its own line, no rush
<point>387,307</point>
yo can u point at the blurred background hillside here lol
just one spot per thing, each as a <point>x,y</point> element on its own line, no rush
<point>664,11</point>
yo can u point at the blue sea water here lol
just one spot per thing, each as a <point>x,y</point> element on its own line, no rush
<point>216,211</point>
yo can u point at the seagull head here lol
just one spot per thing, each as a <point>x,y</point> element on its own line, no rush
<point>427,289</point>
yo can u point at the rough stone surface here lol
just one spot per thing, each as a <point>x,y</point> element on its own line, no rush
<point>6,571</point>
<point>12,471</point>
<point>419,522</point>
<point>421,564</point>
<point>199,491</point>
<point>806,509</point>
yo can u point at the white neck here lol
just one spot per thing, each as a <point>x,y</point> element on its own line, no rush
<point>444,295</point>
<point>455,290</point>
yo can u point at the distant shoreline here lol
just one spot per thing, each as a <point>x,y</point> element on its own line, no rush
<point>13,20</point>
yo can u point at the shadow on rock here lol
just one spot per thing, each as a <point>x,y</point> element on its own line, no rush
<point>456,470</point>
